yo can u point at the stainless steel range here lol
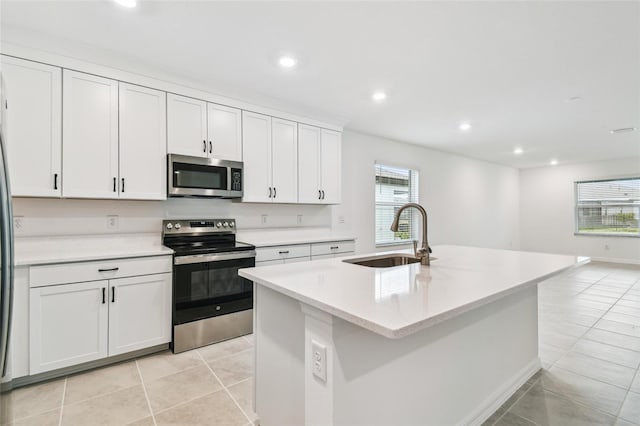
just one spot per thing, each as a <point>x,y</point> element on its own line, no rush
<point>211,302</point>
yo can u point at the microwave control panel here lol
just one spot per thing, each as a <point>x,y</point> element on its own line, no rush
<point>236,179</point>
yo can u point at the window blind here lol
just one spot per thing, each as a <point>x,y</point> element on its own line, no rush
<point>609,207</point>
<point>394,187</point>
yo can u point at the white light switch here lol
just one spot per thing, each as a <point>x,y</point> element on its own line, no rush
<point>319,360</point>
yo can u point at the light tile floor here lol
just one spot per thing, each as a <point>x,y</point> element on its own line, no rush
<point>207,386</point>
<point>589,334</point>
<point>589,345</point>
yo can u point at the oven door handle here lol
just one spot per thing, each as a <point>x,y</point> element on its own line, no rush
<point>202,258</point>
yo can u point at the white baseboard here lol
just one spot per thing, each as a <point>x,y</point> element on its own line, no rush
<point>501,395</point>
<point>616,260</point>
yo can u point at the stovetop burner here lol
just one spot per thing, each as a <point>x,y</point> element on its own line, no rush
<point>187,237</point>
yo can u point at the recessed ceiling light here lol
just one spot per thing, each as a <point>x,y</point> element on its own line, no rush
<point>553,162</point>
<point>573,99</point>
<point>464,126</point>
<point>623,130</point>
<point>379,96</point>
<point>287,62</point>
<point>127,3</point>
<point>518,151</point>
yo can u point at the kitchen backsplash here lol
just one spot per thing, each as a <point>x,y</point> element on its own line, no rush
<point>50,217</point>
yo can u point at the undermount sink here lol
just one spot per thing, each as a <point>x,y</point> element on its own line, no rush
<point>384,261</point>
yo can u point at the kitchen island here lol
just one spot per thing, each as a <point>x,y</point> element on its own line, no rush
<point>343,344</point>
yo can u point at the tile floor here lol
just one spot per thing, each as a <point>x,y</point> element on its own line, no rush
<point>589,333</point>
<point>208,386</point>
<point>589,346</point>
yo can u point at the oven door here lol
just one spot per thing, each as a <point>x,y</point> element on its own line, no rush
<point>206,286</point>
<point>204,177</point>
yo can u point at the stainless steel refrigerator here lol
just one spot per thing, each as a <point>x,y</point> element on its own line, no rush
<point>6,258</point>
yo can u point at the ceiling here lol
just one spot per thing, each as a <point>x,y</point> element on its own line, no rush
<point>508,68</point>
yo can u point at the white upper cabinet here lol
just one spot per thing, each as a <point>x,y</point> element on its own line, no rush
<point>202,129</point>
<point>270,154</point>
<point>90,134</point>
<point>34,127</point>
<point>284,161</point>
<point>309,164</point>
<point>256,154</point>
<point>319,165</point>
<point>143,143</point>
<point>187,126</point>
<point>225,132</point>
<point>330,166</point>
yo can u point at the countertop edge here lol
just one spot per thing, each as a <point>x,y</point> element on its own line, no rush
<point>36,261</point>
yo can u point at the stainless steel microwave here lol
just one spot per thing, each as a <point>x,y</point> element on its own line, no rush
<point>203,177</point>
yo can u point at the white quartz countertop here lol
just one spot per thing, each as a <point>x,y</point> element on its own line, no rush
<point>47,250</point>
<point>398,301</point>
<point>281,237</point>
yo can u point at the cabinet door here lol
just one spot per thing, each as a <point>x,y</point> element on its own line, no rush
<point>309,164</point>
<point>225,132</point>
<point>33,135</point>
<point>90,134</point>
<point>256,154</point>
<point>284,160</point>
<point>143,143</point>
<point>67,325</point>
<point>187,126</point>
<point>139,312</point>
<point>330,166</point>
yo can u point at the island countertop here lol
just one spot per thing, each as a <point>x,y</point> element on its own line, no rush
<point>398,301</point>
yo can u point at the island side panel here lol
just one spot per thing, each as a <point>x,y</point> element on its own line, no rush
<point>456,372</point>
<point>279,333</point>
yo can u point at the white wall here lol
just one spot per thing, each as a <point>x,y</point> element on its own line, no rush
<point>547,213</point>
<point>469,202</point>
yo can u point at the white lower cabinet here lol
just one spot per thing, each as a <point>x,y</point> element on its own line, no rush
<point>68,325</point>
<point>139,312</point>
<point>78,322</point>
<point>277,255</point>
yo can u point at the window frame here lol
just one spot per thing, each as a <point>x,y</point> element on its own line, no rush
<point>413,179</point>
<point>576,207</point>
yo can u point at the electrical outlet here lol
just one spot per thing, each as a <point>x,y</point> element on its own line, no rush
<point>17,223</point>
<point>112,222</point>
<point>606,246</point>
<point>299,219</point>
<point>340,219</point>
<point>264,219</point>
<point>319,360</point>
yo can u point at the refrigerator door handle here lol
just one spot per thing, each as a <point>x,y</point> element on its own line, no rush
<point>6,246</point>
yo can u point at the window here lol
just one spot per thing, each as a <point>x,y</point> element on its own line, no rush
<point>395,186</point>
<point>610,207</point>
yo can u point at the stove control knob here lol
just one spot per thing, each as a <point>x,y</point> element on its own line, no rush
<point>225,224</point>
<point>177,226</point>
<point>169,226</point>
<point>232,224</point>
<point>219,224</point>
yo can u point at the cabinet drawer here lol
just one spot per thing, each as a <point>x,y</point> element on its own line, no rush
<point>333,247</point>
<point>282,252</point>
<point>64,273</point>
